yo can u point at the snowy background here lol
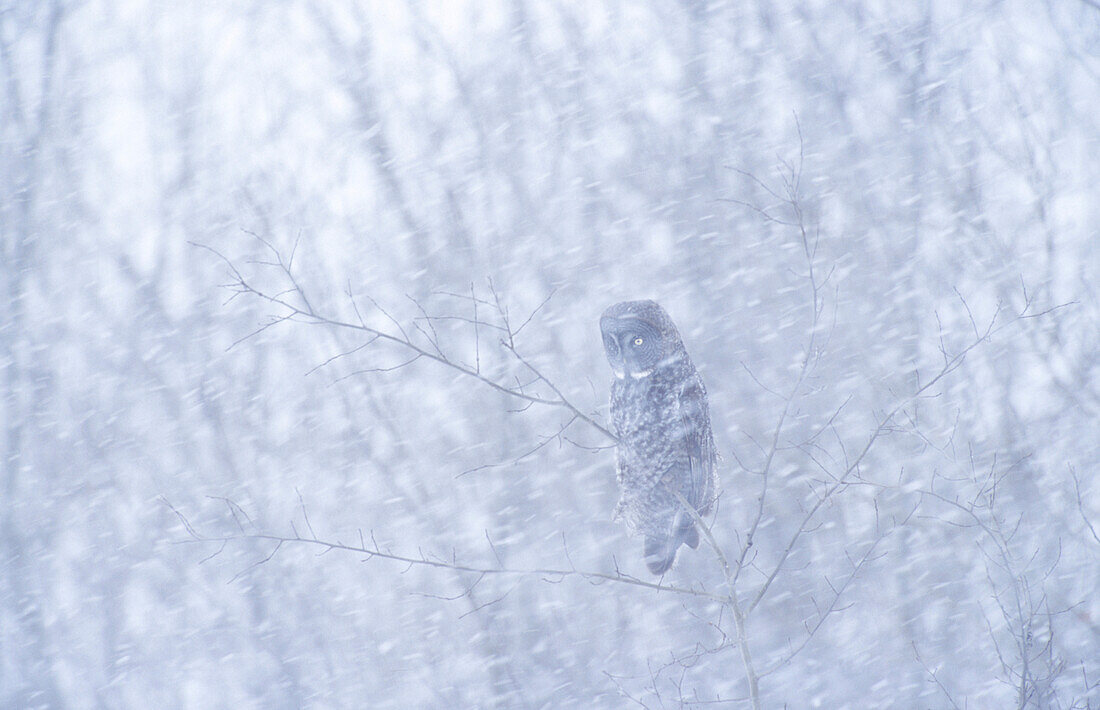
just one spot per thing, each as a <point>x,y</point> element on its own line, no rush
<point>875,224</point>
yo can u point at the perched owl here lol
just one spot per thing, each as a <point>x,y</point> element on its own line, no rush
<point>659,414</point>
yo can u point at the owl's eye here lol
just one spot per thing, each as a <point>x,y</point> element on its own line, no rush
<point>638,340</point>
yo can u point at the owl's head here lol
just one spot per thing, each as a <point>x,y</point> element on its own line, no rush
<point>639,337</point>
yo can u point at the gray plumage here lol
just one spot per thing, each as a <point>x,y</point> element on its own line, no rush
<point>660,415</point>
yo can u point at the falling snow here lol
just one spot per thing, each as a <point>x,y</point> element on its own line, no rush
<point>302,394</point>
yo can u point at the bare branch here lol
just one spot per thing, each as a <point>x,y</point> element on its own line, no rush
<point>1081,505</point>
<point>372,551</point>
<point>241,284</point>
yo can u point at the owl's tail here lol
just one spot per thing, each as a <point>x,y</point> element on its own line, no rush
<point>660,552</point>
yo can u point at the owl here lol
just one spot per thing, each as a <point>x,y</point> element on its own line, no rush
<point>660,416</point>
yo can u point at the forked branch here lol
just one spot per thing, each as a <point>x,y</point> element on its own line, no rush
<point>303,311</point>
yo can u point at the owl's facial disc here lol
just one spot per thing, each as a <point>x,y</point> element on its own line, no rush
<point>611,346</point>
<point>633,346</point>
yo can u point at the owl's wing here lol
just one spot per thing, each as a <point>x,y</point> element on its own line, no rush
<point>699,441</point>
